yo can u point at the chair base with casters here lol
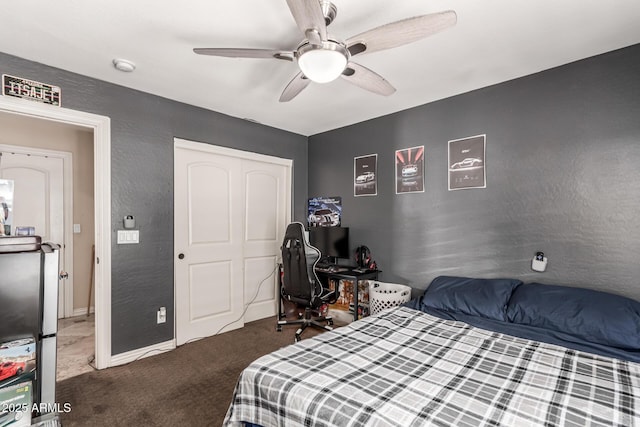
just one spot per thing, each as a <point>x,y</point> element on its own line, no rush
<point>299,284</point>
<point>305,320</point>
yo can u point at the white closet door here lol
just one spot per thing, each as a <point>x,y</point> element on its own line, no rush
<point>264,225</point>
<point>230,215</point>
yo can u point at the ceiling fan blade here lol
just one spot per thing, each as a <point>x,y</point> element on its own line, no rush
<point>366,79</point>
<point>310,19</point>
<point>401,32</point>
<point>245,53</point>
<point>294,87</point>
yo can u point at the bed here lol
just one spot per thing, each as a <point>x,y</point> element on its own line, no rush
<point>467,352</point>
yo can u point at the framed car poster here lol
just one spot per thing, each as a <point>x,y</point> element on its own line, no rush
<point>324,211</point>
<point>467,163</point>
<point>410,170</point>
<point>365,179</point>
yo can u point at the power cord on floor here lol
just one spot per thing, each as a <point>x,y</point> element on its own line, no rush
<point>224,326</point>
<point>243,311</point>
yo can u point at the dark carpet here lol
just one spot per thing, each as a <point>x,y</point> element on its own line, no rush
<point>189,386</point>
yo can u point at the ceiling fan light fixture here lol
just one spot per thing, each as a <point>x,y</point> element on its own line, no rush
<point>323,64</point>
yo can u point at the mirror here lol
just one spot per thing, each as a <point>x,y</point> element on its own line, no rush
<point>6,206</point>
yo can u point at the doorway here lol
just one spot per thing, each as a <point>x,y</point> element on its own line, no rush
<point>99,127</point>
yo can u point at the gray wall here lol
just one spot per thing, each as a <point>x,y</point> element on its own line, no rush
<point>563,177</point>
<point>142,130</point>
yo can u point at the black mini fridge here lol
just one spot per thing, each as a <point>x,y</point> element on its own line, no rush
<point>29,275</point>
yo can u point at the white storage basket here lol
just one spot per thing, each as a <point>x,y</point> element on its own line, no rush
<point>385,295</point>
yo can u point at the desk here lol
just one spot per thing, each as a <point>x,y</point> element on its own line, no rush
<point>348,273</point>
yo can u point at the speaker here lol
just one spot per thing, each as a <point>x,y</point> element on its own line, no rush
<point>363,257</point>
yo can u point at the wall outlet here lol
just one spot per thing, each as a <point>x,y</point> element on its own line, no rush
<point>162,315</point>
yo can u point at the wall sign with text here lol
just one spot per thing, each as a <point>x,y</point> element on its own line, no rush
<point>31,90</point>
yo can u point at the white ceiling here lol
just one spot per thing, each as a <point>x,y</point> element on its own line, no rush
<point>493,41</point>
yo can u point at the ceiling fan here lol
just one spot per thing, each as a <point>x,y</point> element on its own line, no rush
<point>323,58</point>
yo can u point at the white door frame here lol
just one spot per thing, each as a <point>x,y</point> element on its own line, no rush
<point>101,127</point>
<point>67,303</point>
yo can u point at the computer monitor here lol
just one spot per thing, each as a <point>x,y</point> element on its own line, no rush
<point>333,242</point>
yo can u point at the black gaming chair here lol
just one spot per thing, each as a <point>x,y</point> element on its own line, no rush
<point>299,283</point>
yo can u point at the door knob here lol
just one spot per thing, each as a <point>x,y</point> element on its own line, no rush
<point>64,275</point>
<point>181,256</point>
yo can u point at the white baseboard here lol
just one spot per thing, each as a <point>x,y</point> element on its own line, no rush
<point>81,311</point>
<point>141,353</point>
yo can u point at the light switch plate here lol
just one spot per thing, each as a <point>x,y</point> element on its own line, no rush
<point>128,237</point>
<point>76,228</point>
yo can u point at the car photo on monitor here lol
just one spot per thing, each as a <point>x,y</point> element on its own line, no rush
<point>324,218</point>
<point>324,211</point>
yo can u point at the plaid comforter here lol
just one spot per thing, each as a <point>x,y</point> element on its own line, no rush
<point>407,368</point>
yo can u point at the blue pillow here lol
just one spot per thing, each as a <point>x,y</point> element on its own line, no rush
<point>476,297</point>
<point>593,316</point>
